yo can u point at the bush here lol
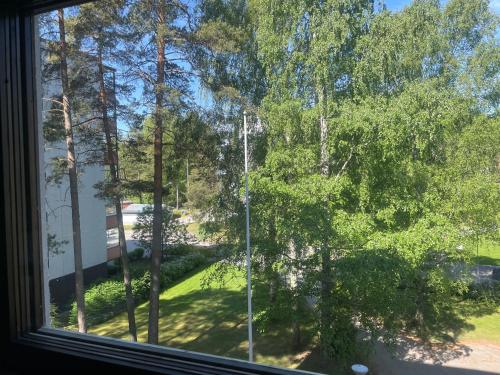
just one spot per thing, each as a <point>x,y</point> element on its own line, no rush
<point>107,299</point>
<point>136,254</point>
<point>484,292</point>
<point>113,268</point>
<point>102,301</point>
<point>55,316</point>
<point>174,270</point>
<point>140,287</point>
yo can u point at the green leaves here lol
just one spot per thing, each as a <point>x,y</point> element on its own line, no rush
<point>412,163</point>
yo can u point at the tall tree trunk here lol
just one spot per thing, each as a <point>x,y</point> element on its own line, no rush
<point>113,166</point>
<point>177,195</point>
<point>154,296</point>
<point>296,330</point>
<point>326,261</point>
<point>273,275</point>
<point>295,278</point>
<point>73,178</point>
<point>187,176</point>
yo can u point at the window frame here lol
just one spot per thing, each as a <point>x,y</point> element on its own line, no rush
<point>21,285</point>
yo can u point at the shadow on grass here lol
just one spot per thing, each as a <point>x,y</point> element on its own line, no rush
<point>486,260</point>
<point>213,321</point>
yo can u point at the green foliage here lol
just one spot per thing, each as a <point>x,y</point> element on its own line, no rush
<point>412,172</point>
<point>172,271</point>
<point>172,233</point>
<point>56,320</point>
<point>375,154</point>
<point>107,299</point>
<point>102,301</point>
<point>136,254</point>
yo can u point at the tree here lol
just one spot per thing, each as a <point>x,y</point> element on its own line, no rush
<point>394,114</point>
<point>306,53</point>
<point>172,232</point>
<point>73,176</point>
<point>98,22</point>
<point>160,30</point>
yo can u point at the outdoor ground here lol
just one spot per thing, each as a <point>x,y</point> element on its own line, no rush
<point>213,321</point>
<point>210,321</point>
<point>489,253</point>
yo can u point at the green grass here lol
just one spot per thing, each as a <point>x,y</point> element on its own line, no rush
<point>211,320</point>
<point>486,329</point>
<point>489,253</point>
<point>481,319</point>
<point>194,229</point>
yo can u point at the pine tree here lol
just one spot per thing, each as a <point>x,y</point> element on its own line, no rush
<point>73,176</point>
<point>157,29</point>
<point>97,27</point>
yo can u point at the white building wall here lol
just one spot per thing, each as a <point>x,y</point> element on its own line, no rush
<point>58,205</point>
<point>92,222</point>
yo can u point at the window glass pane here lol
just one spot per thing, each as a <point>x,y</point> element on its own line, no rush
<point>339,159</point>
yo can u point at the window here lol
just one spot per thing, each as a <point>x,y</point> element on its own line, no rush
<point>216,187</point>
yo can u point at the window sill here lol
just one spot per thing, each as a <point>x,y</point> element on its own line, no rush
<point>143,358</point>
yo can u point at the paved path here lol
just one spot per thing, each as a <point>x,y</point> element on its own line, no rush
<point>411,358</point>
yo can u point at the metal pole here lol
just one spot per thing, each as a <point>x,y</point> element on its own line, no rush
<point>249,275</point>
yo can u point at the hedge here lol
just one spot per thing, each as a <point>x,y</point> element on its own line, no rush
<point>107,299</point>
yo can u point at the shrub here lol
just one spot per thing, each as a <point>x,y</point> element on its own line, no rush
<point>107,299</point>
<point>113,268</point>
<point>140,287</point>
<point>178,250</point>
<point>55,316</point>
<point>102,301</point>
<point>136,254</point>
<point>174,270</point>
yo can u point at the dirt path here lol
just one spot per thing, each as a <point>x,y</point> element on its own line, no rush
<point>411,358</point>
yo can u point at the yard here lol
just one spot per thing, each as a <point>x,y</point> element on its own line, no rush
<point>484,328</point>
<point>210,321</point>
<point>213,320</point>
<point>489,253</point>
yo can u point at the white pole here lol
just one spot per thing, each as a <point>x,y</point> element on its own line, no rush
<point>249,275</point>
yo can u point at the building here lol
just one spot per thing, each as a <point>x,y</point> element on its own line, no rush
<point>98,218</point>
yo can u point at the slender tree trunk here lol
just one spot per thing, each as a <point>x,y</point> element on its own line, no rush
<point>326,313</point>
<point>326,261</point>
<point>73,179</point>
<point>295,285</point>
<point>113,166</point>
<point>296,331</point>
<point>154,296</point>
<point>177,195</point>
<point>187,176</point>
<point>273,275</point>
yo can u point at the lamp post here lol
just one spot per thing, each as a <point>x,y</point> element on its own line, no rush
<point>248,260</point>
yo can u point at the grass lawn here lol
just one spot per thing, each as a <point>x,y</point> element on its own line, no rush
<point>210,321</point>
<point>194,229</point>
<point>489,253</point>
<point>486,329</point>
<point>213,320</point>
<point>482,320</point>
